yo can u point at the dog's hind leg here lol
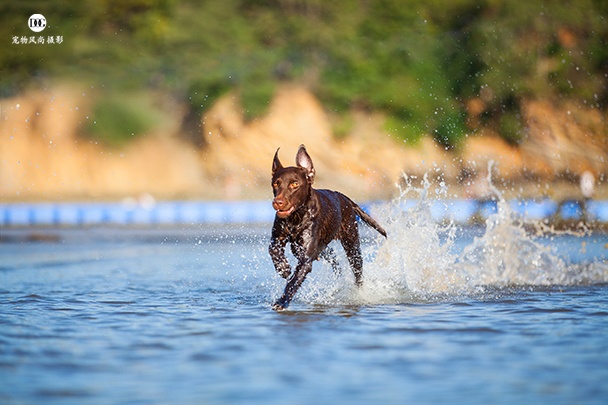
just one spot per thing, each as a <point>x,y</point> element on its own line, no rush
<point>352,248</point>
<point>329,255</point>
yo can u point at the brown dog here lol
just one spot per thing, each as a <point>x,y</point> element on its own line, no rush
<point>310,219</point>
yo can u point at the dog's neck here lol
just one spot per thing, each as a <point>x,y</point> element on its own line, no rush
<point>306,209</point>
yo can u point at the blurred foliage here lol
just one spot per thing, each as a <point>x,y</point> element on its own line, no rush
<point>119,118</point>
<point>417,61</point>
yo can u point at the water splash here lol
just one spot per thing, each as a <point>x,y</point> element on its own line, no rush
<point>419,261</point>
<point>508,255</point>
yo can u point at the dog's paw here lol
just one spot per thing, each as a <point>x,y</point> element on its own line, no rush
<point>285,274</point>
<point>281,304</point>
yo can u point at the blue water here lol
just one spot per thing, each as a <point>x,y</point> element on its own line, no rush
<point>182,316</point>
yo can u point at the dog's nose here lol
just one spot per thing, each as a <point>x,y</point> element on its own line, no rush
<point>278,203</point>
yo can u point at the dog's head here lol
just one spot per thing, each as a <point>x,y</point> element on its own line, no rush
<point>291,185</point>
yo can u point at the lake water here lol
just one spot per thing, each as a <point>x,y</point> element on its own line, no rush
<point>182,316</point>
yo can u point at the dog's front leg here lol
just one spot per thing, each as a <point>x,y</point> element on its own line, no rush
<point>276,249</point>
<point>293,284</point>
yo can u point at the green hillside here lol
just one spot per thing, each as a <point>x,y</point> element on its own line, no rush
<point>421,62</point>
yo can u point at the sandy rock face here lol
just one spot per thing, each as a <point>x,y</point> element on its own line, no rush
<point>564,139</point>
<point>239,155</point>
<point>42,155</point>
<point>479,151</point>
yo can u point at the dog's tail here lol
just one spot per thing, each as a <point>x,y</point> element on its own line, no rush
<point>369,220</point>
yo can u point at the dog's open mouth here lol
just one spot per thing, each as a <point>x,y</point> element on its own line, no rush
<point>286,213</point>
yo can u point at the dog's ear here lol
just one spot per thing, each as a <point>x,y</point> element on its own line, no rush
<point>303,160</point>
<point>276,163</point>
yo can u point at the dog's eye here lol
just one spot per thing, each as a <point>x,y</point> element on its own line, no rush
<point>294,184</point>
<point>275,185</point>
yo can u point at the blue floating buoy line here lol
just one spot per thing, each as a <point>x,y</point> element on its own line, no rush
<point>462,211</point>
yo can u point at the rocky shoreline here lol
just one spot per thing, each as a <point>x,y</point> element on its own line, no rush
<point>44,156</point>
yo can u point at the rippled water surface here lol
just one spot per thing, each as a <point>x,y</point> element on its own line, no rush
<point>182,316</point>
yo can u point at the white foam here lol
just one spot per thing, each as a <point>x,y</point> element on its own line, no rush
<point>417,262</point>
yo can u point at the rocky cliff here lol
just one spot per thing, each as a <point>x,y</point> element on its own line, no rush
<point>44,157</point>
